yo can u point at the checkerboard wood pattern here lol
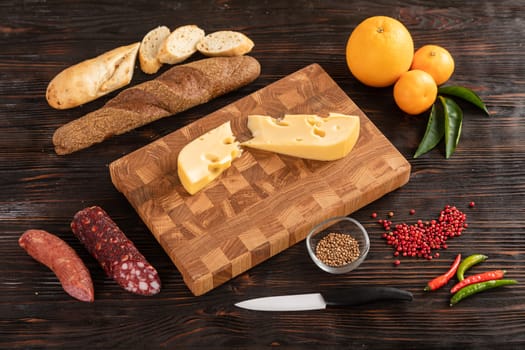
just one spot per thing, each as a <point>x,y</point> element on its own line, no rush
<point>265,202</point>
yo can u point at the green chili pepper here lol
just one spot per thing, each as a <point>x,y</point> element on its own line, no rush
<point>434,132</point>
<point>477,288</point>
<point>467,263</point>
<point>465,94</point>
<point>453,121</point>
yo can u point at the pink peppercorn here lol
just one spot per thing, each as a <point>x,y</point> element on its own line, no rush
<point>412,211</point>
<point>472,204</point>
<point>374,215</point>
<point>419,239</point>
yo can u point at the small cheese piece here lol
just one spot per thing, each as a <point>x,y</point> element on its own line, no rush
<point>305,135</point>
<point>202,160</point>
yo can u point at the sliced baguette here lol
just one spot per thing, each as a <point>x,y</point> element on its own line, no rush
<point>149,49</point>
<point>180,44</point>
<point>92,78</point>
<point>225,43</point>
<point>177,89</point>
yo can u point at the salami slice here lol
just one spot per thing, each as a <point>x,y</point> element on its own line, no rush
<point>117,255</point>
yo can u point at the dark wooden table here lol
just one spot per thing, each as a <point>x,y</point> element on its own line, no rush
<point>42,190</point>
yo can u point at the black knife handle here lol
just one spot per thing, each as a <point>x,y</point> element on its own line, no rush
<point>363,295</point>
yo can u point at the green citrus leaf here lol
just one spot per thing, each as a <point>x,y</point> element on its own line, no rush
<point>465,94</point>
<point>453,122</point>
<point>434,132</point>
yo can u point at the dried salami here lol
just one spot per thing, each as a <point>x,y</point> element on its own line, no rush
<point>58,256</point>
<point>117,255</point>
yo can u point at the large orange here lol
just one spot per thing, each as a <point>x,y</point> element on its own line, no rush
<point>379,50</point>
<point>415,91</point>
<point>436,61</point>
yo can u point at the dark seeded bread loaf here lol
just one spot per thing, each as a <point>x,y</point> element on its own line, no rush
<point>178,89</point>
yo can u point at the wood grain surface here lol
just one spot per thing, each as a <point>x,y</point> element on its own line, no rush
<point>264,202</point>
<point>39,189</point>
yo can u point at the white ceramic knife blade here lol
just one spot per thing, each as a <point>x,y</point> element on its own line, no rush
<point>296,302</point>
<point>318,301</point>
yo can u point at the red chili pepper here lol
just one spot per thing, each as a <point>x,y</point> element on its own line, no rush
<point>441,280</point>
<point>480,277</point>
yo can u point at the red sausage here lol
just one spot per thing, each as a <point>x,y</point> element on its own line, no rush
<point>57,255</point>
<point>117,255</point>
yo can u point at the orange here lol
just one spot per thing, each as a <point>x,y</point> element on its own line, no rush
<point>415,91</point>
<point>436,61</point>
<point>379,50</point>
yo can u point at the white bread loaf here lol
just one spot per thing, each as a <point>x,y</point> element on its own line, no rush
<point>149,49</point>
<point>180,44</point>
<point>225,43</point>
<point>92,78</point>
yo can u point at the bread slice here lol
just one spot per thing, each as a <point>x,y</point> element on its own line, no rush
<point>180,44</point>
<point>149,49</point>
<point>225,43</point>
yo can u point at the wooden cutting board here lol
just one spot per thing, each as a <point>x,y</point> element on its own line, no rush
<point>265,202</point>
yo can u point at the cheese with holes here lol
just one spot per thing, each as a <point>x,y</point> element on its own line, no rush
<point>202,160</point>
<point>305,135</point>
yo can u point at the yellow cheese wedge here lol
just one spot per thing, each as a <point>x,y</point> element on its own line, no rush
<point>202,160</point>
<point>305,135</point>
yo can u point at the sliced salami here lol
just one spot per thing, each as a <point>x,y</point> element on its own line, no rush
<point>117,255</point>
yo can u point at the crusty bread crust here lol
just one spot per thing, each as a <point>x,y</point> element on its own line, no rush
<point>92,78</point>
<point>149,49</point>
<point>178,89</point>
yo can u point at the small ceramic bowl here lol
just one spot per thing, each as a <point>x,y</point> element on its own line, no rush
<point>344,225</point>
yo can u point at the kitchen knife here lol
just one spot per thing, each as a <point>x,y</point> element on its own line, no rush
<point>318,301</point>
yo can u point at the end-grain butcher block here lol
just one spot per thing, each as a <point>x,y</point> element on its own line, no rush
<point>265,202</point>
